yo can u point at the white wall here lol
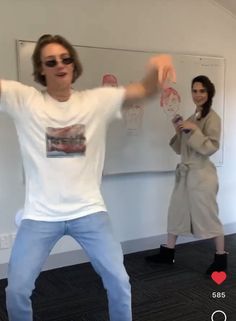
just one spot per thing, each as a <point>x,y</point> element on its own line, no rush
<point>137,203</point>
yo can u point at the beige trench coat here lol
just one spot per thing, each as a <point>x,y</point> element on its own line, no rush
<point>193,207</point>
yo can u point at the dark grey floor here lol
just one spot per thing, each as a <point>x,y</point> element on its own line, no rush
<point>160,293</point>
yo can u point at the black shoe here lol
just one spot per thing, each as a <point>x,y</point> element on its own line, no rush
<point>219,264</point>
<point>166,255</point>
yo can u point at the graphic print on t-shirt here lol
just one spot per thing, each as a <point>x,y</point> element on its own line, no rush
<point>68,141</point>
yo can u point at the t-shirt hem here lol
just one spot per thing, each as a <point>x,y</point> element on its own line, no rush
<point>39,217</point>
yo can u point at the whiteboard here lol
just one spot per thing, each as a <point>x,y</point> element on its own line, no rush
<point>139,142</point>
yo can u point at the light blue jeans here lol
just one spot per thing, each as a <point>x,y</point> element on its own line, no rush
<point>35,240</point>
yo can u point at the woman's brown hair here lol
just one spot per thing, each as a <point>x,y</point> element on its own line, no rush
<point>210,88</point>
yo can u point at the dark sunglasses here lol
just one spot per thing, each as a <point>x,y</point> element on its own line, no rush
<point>53,62</point>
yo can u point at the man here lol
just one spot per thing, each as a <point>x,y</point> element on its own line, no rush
<point>63,184</point>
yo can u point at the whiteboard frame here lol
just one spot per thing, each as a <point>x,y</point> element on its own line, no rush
<point>220,158</point>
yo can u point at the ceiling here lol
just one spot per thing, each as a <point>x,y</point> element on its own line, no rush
<point>229,5</point>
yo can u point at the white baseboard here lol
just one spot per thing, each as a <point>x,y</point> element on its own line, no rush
<point>78,256</point>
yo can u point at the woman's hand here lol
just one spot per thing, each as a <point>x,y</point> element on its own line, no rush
<point>189,125</point>
<point>177,122</point>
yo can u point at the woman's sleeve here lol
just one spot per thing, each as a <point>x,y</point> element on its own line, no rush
<point>206,141</point>
<point>175,143</point>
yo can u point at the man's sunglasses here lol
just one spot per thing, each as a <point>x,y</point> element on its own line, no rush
<point>53,62</point>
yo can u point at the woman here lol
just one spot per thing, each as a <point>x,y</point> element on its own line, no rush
<point>193,207</point>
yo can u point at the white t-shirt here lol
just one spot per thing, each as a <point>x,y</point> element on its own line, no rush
<point>62,146</point>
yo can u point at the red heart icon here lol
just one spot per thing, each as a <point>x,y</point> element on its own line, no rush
<point>218,277</point>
